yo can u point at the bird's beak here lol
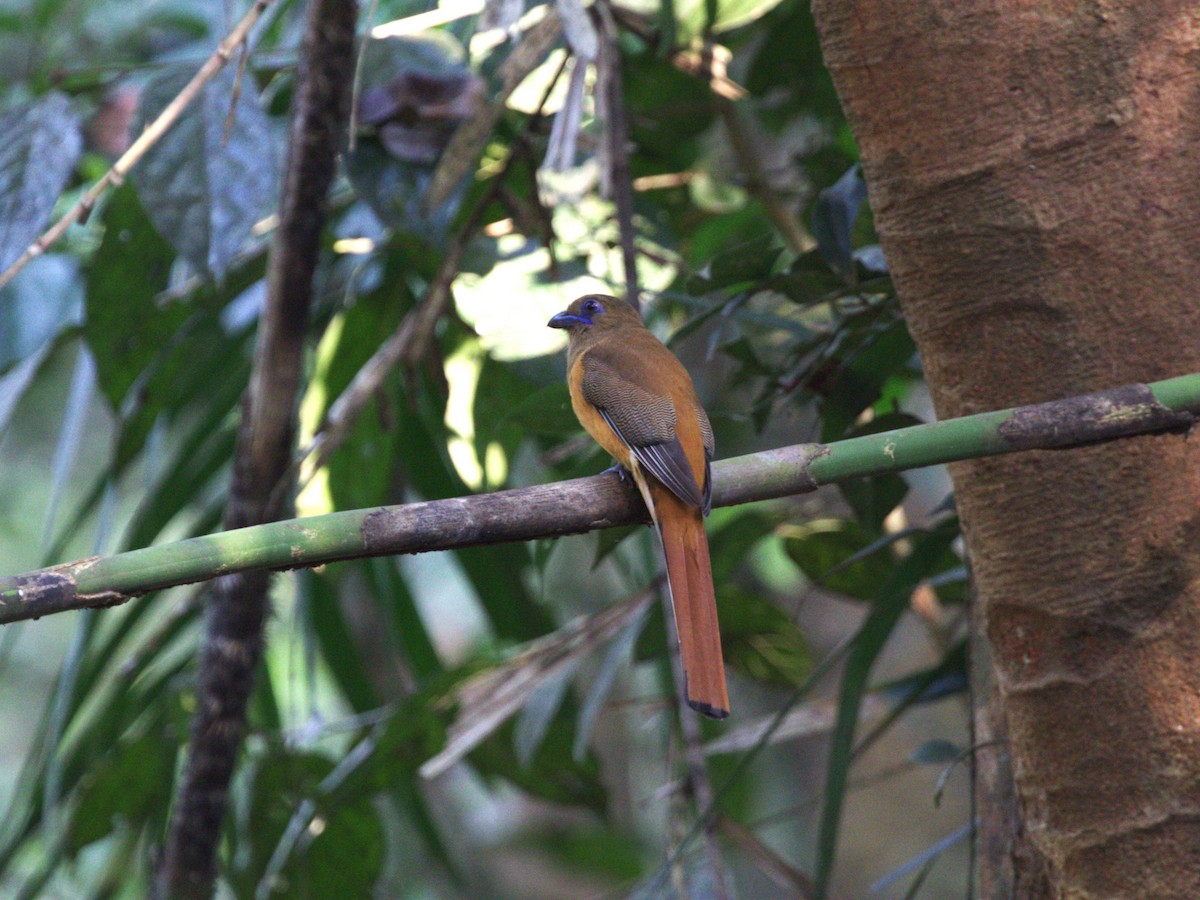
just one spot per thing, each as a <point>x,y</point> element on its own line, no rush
<point>567,320</point>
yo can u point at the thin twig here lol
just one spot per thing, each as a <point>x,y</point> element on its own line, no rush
<point>616,145</point>
<point>236,93</point>
<point>356,85</point>
<point>793,880</point>
<point>154,131</point>
<point>788,225</point>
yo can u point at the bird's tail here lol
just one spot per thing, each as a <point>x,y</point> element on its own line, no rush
<point>689,573</point>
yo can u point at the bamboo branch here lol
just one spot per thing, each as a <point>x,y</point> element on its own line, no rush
<point>600,501</point>
<point>154,131</point>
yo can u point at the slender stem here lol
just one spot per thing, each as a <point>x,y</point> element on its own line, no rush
<point>600,501</point>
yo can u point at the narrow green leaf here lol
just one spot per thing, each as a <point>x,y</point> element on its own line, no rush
<point>618,654</point>
<point>337,647</point>
<point>539,710</point>
<point>888,606</point>
<point>393,594</point>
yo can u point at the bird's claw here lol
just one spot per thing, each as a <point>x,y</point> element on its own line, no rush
<point>623,473</point>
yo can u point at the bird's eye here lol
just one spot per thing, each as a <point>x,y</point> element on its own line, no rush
<point>592,306</point>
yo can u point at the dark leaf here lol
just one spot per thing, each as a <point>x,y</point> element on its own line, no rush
<point>41,145</point>
<point>748,262</point>
<point>833,217</point>
<point>880,357</point>
<point>416,90</point>
<point>205,185</point>
<point>345,856</point>
<point>809,279</point>
<point>935,752</point>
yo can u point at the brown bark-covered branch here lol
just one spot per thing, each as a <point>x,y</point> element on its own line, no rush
<point>238,607</point>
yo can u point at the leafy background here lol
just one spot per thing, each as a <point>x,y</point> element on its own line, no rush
<point>124,350</point>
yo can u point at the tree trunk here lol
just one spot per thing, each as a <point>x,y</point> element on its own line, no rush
<point>1034,170</point>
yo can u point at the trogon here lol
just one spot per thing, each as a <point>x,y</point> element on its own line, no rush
<point>636,399</point>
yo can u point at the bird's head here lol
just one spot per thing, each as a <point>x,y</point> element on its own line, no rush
<point>595,312</point>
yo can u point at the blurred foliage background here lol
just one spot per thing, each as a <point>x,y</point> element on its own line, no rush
<point>499,721</point>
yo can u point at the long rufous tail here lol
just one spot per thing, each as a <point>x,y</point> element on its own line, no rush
<point>689,573</point>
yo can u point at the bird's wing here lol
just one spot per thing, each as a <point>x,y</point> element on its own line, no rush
<point>645,423</point>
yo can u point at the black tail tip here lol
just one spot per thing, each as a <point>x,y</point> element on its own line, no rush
<point>713,712</point>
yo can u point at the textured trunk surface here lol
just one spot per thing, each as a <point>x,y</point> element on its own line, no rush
<point>1035,175</point>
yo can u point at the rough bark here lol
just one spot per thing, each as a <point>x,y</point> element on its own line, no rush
<point>239,604</point>
<point>1033,173</point>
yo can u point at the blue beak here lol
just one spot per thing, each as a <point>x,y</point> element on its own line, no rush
<point>567,320</point>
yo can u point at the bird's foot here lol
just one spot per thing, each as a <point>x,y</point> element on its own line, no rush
<point>623,473</point>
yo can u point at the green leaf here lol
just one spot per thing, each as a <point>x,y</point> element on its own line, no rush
<point>393,595</point>
<point>210,177</point>
<point>824,552</point>
<point>609,539</point>
<point>131,784</point>
<point>125,328</point>
<point>344,858</point>
<point>41,145</point>
<point>808,280</point>
<point>337,647</point>
<point>698,17</point>
<point>551,774</point>
<point>760,639</point>
<point>873,499</point>
<point>17,380</point>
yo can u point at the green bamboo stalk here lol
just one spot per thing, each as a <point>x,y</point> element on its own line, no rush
<point>601,501</point>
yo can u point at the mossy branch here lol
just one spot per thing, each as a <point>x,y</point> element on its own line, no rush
<point>600,501</point>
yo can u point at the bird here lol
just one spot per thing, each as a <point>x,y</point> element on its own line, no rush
<point>638,402</point>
